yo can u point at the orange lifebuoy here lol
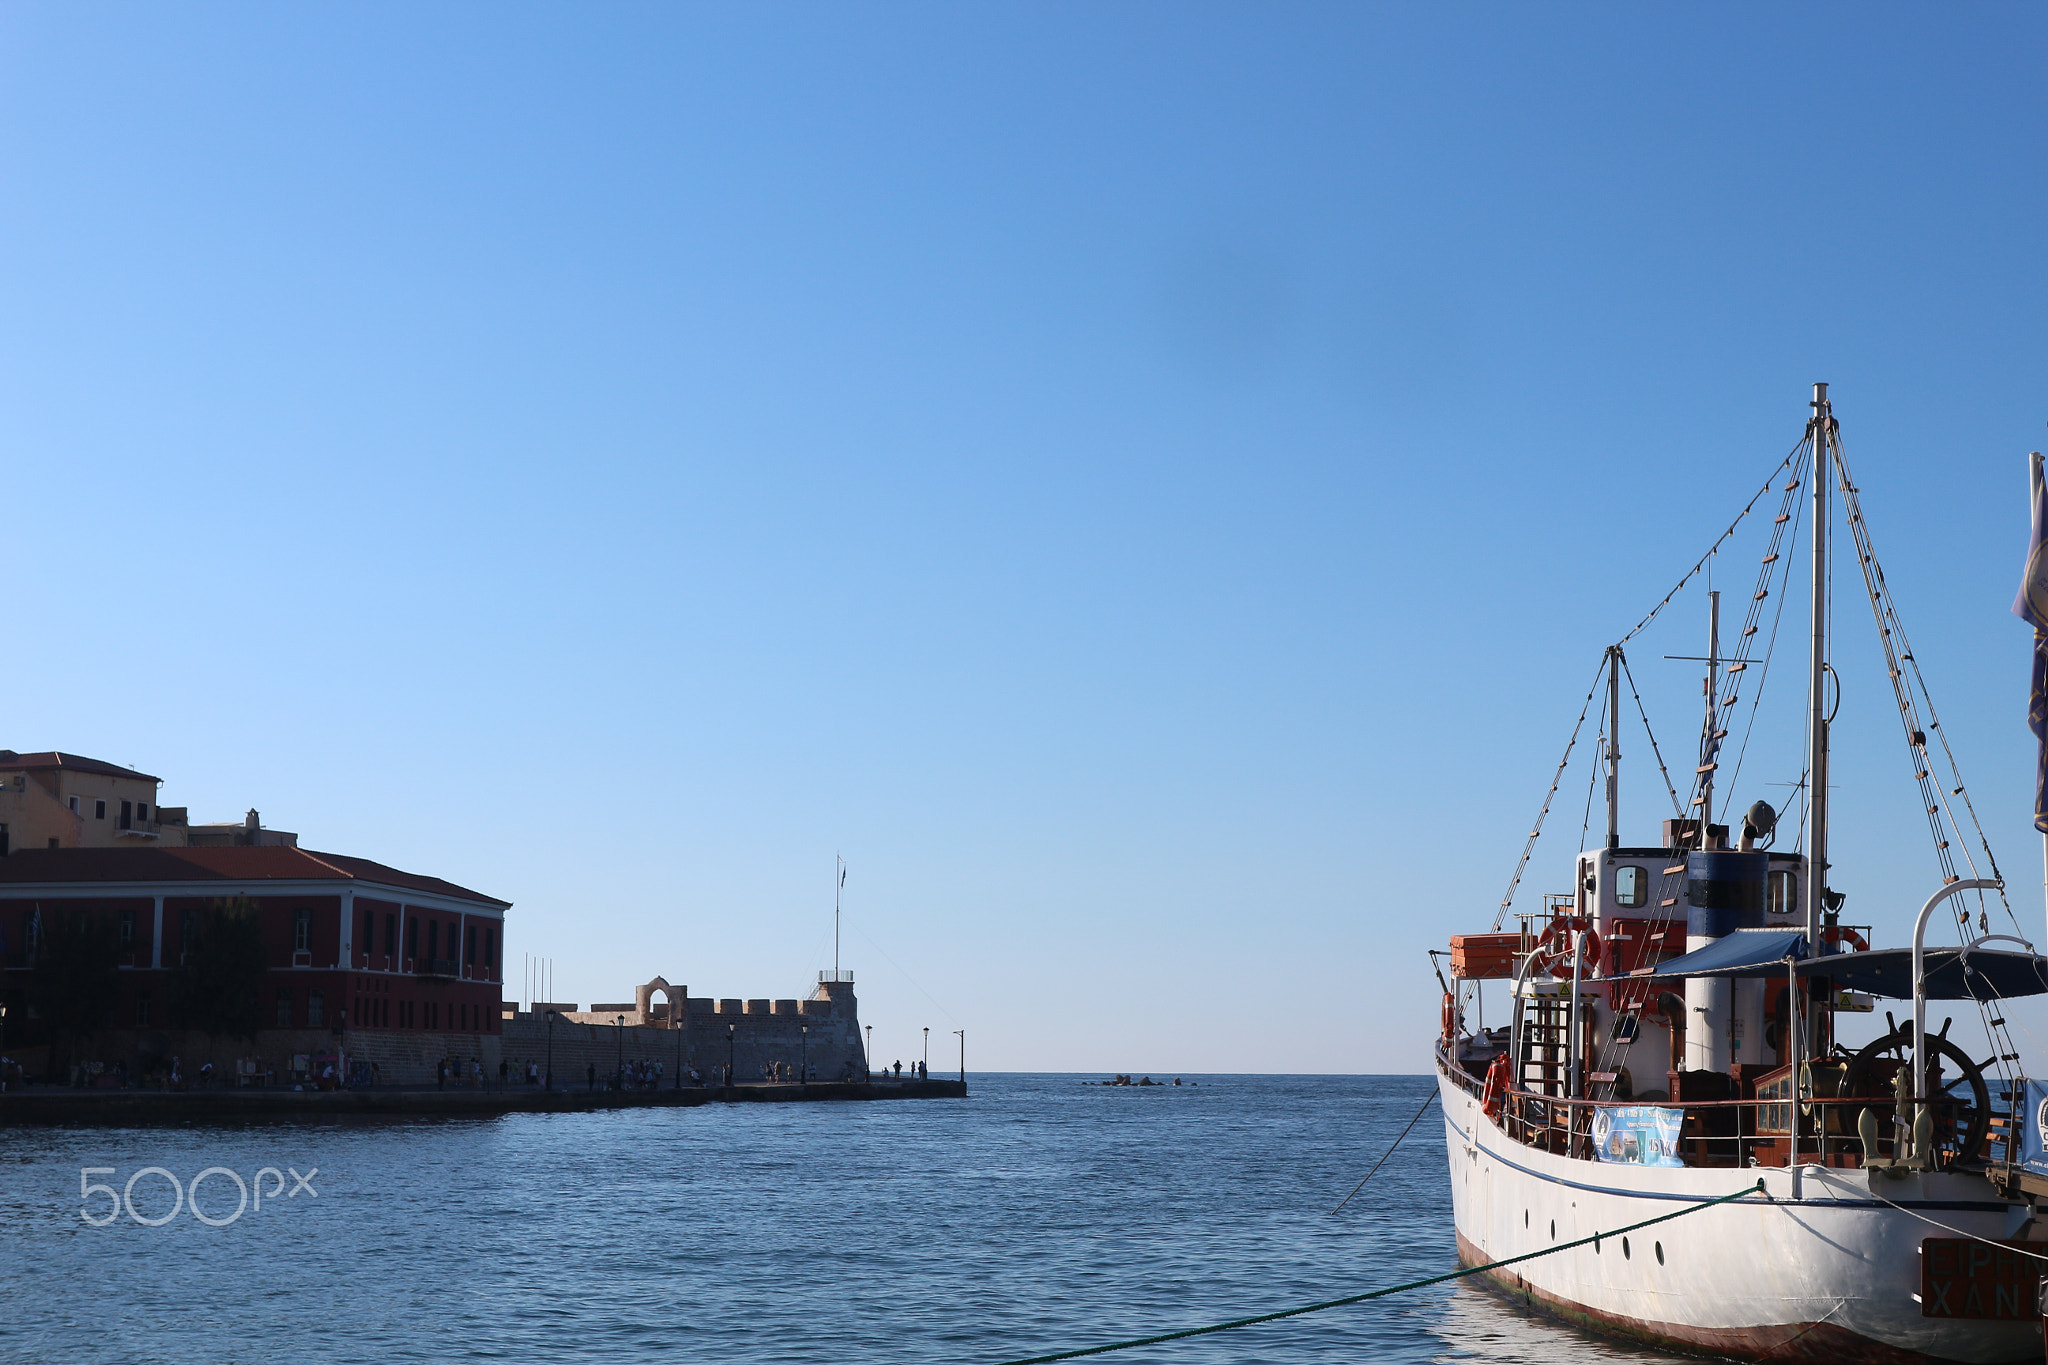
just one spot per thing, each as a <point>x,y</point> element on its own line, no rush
<point>1553,953</point>
<point>1835,933</point>
<point>1450,1017</point>
<point>1493,1095</point>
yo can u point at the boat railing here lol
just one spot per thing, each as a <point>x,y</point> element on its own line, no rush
<point>1747,1131</point>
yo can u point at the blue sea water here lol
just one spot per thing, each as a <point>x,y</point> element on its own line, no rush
<point>1040,1214</point>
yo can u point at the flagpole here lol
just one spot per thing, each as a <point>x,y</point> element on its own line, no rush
<point>2034,503</point>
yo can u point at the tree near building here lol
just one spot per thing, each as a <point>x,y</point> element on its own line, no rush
<point>217,986</point>
<point>75,983</point>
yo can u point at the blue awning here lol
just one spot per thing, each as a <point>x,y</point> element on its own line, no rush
<point>1981,974</point>
<point>1746,952</point>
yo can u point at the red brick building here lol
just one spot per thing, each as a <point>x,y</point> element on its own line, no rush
<point>385,963</point>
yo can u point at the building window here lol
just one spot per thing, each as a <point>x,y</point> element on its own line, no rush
<point>142,811</point>
<point>127,927</point>
<point>99,810</point>
<point>1631,886</point>
<point>142,1009</point>
<point>412,938</point>
<point>127,815</point>
<point>369,932</point>
<point>490,947</point>
<point>302,931</point>
<point>433,938</point>
<point>284,1009</point>
<point>469,946</point>
<point>391,934</point>
<point>71,802</point>
<point>53,841</point>
<point>316,1009</point>
<point>32,930</point>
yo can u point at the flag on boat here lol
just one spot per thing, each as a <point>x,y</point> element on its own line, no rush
<point>2032,1121</point>
<point>2031,606</point>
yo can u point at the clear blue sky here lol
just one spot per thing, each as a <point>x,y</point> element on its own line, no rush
<point>1148,483</point>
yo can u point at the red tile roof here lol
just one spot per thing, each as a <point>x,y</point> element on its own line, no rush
<point>118,865</point>
<point>12,762</point>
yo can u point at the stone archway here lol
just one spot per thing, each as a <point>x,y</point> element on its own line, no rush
<point>643,1000</point>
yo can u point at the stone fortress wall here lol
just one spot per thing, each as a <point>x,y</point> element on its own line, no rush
<point>824,1029</point>
<point>823,1032</point>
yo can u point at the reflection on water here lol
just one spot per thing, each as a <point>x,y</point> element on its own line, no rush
<point>1478,1325</point>
<point>1041,1214</point>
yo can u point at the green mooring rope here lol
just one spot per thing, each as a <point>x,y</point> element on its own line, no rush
<point>1595,1239</point>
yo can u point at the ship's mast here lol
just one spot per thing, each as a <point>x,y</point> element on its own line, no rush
<point>1710,737</point>
<point>1817,720</point>
<point>1614,748</point>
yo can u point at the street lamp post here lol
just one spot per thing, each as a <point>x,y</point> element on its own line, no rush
<point>677,1024</point>
<point>963,1054</point>
<point>551,1050</point>
<point>731,1053</point>
<point>924,1071</point>
<point>868,1057</point>
<point>619,1032</point>
<point>803,1075</point>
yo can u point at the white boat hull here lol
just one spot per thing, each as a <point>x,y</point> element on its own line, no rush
<point>1821,1268</point>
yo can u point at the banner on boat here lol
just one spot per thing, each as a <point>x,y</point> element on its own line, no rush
<point>1637,1134</point>
<point>2033,1126</point>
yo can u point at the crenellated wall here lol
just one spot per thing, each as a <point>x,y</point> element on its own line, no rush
<point>825,1030</point>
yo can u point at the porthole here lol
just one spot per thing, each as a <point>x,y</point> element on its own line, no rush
<point>1660,1253</point>
<point>1624,1248</point>
<point>1553,1229</point>
<point>1525,1218</point>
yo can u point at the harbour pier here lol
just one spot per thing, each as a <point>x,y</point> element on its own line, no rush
<point>67,1107</point>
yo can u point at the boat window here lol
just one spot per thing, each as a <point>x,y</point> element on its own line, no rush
<point>1783,896</point>
<point>1631,885</point>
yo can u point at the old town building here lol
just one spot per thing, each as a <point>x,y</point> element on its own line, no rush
<point>362,962</point>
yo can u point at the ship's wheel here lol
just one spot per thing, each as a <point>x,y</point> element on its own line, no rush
<point>1959,1128</point>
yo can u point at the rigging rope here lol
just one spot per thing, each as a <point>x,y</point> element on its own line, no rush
<point>1390,1151</point>
<point>1605,737</point>
<point>1792,461</point>
<point>1909,692</point>
<point>1522,863</point>
<point>1704,559</point>
<point>1676,809</point>
<point>1797,511</point>
<point>1594,1240</point>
